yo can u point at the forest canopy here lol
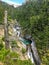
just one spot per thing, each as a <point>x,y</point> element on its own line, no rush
<point>33,17</point>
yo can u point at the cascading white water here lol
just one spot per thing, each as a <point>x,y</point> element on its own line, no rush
<point>29,53</point>
<point>35,53</point>
<point>32,51</point>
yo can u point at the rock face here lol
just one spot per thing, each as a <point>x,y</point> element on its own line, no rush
<point>19,51</point>
<point>1,63</point>
<point>1,32</point>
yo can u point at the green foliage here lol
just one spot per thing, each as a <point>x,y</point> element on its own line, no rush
<point>35,22</point>
<point>1,44</point>
<point>3,54</point>
<point>25,62</point>
<point>7,58</point>
<point>11,12</point>
<point>18,62</point>
<point>14,55</point>
<point>3,38</point>
<point>14,44</point>
<point>23,50</point>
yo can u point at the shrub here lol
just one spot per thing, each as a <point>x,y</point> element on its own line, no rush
<point>23,50</point>
<point>14,55</point>
<point>3,38</point>
<point>1,44</point>
<point>3,54</point>
<point>14,44</point>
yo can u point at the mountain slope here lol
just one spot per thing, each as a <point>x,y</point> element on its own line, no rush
<point>9,8</point>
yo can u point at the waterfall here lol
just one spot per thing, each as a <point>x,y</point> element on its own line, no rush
<point>29,53</point>
<point>35,54</point>
<point>32,51</point>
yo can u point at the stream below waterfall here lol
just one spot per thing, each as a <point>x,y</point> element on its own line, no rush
<point>29,53</point>
<point>32,51</point>
<point>25,43</point>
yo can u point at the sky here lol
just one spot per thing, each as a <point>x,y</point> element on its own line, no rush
<point>18,1</point>
<point>14,2</point>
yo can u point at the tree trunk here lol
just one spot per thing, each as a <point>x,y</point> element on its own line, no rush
<point>6,31</point>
